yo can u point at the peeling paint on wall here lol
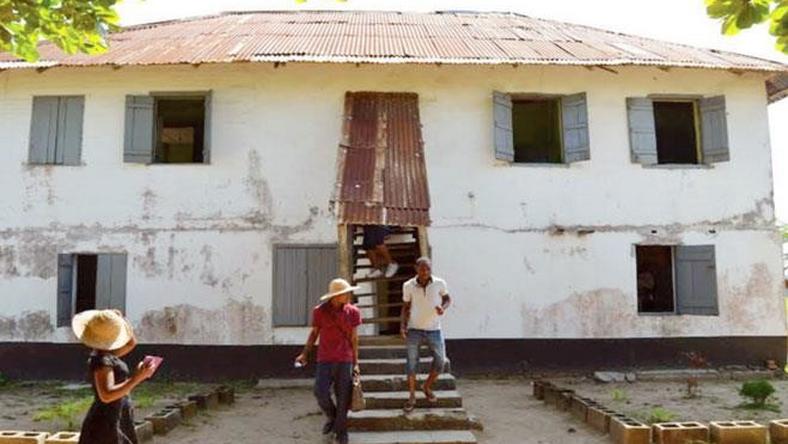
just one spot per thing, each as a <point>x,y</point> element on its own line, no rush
<point>28,326</point>
<point>238,322</point>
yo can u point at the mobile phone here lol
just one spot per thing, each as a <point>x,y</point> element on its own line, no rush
<point>298,364</point>
<point>154,361</point>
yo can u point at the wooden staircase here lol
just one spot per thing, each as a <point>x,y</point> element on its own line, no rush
<point>382,358</point>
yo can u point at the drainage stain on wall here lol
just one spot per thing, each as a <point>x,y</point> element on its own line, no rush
<point>28,326</point>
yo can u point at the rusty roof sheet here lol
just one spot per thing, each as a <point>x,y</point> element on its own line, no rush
<point>387,37</point>
<point>381,174</point>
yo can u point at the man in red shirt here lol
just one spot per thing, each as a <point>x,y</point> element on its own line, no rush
<point>334,321</point>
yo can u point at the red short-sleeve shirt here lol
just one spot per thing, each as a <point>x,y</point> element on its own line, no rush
<point>336,326</point>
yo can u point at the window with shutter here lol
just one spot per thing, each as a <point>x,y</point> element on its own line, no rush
<point>111,281</point>
<point>301,276</point>
<point>56,130</point>
<point>714,130</point>
<point>642,130</point>
<point>502,127</point>
<point>90,281</point>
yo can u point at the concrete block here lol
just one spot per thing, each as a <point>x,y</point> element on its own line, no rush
<point>564,399</point>
<point>420,419</point>
<point>778,431</point>
<point>395,400</point>
<point>624,430</point>
<point>206,401</point>
<point>737,432</point>
<point>414,437</point>
<point>598,417</point>
<point>63,438</point>
<point>396,366</point>
<point>538,388</point>
<point>398,383</point>
<point>17,437</point>
<point>551,392</point>
<point>188,409</point>
<point>144,430</point>
<point>579,407</point>
<point>680,433</point>
<point>226,395</point>
<point>164,421</point>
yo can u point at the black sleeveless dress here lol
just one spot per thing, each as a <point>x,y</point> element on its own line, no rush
<point>111,423</point>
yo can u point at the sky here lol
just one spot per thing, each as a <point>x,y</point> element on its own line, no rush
<point>683,21</point>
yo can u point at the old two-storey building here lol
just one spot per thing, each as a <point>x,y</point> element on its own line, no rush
<point>592,198</point>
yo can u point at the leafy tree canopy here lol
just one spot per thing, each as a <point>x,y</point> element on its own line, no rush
<point>73,25</point>
<point>736,15</point>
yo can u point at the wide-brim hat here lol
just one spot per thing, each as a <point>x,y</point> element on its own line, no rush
<point>104,330</point>
<point>338,287</point>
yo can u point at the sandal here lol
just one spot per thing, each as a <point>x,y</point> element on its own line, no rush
<point>409,406</point>
<point>431,398</point>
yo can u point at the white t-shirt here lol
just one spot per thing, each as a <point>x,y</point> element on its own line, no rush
<point>423,301</point>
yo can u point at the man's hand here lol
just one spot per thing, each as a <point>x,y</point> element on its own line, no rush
<point>403,332</point>
<point>439,310</point>
<point>356,369</point>
<point>301,359</point>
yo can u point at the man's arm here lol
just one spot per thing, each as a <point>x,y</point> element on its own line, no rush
<point>403,322</point>
<point>354,342</point>
<point>303,358</point>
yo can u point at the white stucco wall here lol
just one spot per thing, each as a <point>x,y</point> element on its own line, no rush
<point>199,236</point>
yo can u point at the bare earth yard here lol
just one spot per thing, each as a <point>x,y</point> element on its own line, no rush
<point>505,407</point>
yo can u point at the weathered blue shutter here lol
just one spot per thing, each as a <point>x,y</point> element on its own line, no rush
<point>138,135</point>
<point>574,121</point>
<point>696,280</point>
<point>111,281</point>
<point>322,266</point>
<point>642,130</point>
<point>502,127</point>
<point>206,151</point>
<point>65,289</point>
<point>714,130</point>
<point>43,130</point>
<point>69,130</point>
<point>290,286</point>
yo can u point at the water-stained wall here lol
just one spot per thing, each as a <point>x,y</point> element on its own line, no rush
<point>528,251</point>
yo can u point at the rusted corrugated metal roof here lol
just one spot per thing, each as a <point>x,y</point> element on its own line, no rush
<point>777,87</point>
<point>381,175</point>
<point>388,37</point>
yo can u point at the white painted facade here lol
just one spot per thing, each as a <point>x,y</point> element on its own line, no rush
<point>199,237</point>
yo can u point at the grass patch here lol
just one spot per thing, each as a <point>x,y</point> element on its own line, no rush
<point>67,414</point>
<point>754,406</point>
<point>656,415</point>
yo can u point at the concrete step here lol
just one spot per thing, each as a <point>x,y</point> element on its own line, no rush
<point>396,400</point>
<point>385,320</point>
<point>383,279</point>
<point>381,306</point>
<point>381,340</point>
<point>419,419</point>
<point>395,366</point>
<point>388,352</point>
<point>415,437</point>
<point>398,383</point>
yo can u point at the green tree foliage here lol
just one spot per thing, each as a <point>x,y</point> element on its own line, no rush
<point>736,15</point>
<point>73,25</point>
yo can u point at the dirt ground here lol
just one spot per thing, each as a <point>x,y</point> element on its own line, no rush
<point>717,400</point>
<point>505,407</point>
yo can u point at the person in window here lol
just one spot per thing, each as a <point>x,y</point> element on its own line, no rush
<point>377,251</point>
<point>110,419</point>
<point>426,300</point>
<point>334,321</point>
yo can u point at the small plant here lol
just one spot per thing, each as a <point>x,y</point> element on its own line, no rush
<point>67,414</point>
<point>757,391</point>
<point>619,395</point>
<point>660,414</point>
<point>697,362</point>
<point>4,381</point>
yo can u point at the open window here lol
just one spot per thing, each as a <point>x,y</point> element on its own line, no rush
<point>676,279</point>
<point>664,131</point>
<point>167,128</point>
<point>540,129</point>
<point>90,281</point>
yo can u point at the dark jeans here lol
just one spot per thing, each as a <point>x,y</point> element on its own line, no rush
<point>340,375</point>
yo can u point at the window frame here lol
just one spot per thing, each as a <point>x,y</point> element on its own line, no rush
<point>533,97</point>
<point>695,101</point>
<point>73,271</point>
<point>79,152</point>
<point>182,95</point>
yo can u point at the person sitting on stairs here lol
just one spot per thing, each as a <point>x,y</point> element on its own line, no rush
<point>426,300</point>
<point>377,252</point>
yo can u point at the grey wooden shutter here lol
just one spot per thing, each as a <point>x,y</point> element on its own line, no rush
<point>322,267</point>
<point>138,135</point>
<point>43,130</point>
<point>714,129</point>
<point>65,289</point>
<point>642,130</point>
<point>290,286</point>
<point>69,130</point>
<point>502,127</point>
<point>696,280</point>
<point>111,281</point>
<point>574,121</point>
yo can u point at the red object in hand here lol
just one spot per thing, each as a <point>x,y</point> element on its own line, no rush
<point>153,361</point>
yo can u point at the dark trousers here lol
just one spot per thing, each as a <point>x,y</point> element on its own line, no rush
<point>340,375</point>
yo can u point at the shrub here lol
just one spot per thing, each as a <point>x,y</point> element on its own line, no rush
<point>757,391</point>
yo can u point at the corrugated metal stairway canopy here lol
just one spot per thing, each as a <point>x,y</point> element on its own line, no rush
<point>381,174</point>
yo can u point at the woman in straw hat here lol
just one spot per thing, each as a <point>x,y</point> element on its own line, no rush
<point>334,321</point>
<point>110,419</point>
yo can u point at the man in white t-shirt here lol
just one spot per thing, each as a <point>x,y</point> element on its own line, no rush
<point>426,299</point>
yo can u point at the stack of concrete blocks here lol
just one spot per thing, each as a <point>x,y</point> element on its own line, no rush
<point>738,432</point>
<point>680,433</point>
<point>17,437</point>
<point>778,431</point>
<point>63,438</point>
<point>144,430</point>
<point>625,430</point>
<point>164,420</point>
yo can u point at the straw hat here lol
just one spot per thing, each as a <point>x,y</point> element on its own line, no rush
<point>104,330</point>
<point>338,287</point>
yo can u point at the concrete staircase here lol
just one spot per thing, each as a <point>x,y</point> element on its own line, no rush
<point>382,361</point>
